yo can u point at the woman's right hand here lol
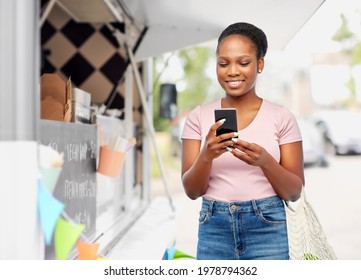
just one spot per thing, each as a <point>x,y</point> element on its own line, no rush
<point>214,145</point>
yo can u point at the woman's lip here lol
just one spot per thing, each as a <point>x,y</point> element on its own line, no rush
<point>234,83</point>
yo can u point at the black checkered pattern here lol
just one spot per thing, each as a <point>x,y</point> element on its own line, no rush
<point>85,52</point>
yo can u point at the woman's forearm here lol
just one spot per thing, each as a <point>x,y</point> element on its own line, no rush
<point>285,183</point>
<point>195,179</point>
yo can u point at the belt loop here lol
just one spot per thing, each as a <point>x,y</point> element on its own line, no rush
<point>255,208</point>
<point>210,209</point>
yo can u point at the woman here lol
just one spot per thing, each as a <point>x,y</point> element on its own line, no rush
<point>242,181</point>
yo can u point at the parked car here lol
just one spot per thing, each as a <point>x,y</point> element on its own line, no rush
<point>342,129</point>
<point>176,134</point>
<point>314,146</point>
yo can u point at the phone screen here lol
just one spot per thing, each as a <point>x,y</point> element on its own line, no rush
<point>230,125</point>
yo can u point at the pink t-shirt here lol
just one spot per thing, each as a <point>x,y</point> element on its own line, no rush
<point>232,179</point>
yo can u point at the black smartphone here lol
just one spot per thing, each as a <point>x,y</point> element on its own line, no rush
<point>230,125</point>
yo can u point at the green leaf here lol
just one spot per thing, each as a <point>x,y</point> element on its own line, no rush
<point>309,256</point>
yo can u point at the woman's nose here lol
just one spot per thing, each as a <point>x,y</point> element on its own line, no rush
<point>233,70</point>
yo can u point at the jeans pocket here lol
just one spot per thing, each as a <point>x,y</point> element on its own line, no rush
<point>273,215</point>
<point>203,216</point>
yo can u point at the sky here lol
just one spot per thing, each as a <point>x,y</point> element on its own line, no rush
<point>316,34</point>
<point>328,82</point>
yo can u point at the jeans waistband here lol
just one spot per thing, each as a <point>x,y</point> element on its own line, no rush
<point>242,206</point>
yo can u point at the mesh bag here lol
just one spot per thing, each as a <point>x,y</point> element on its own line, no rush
<point>306,238</point>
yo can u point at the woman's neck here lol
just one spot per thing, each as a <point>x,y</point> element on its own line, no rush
<point>242,103</point>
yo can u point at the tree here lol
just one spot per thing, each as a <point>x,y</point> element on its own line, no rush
<point>195,62</point>
<point>351,43</point>
<point>192,86</point>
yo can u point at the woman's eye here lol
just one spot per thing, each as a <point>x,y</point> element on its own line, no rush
<point>244,63</point>
<point>222,64</point>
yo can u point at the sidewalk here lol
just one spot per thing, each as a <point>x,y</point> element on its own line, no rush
<point>186,212</point>
<point>187,223</point>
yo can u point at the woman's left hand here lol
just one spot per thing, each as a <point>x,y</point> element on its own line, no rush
<point>250,153</point>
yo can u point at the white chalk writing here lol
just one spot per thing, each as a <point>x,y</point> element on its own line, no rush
<point>77,151</point>
<point>93,149</point>
<point>83,217</point>
<point>73,189</point>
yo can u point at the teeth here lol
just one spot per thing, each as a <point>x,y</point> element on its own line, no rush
<point>234,83</point>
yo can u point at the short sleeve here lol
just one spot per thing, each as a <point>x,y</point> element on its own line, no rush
<point>192,129</point>
<point>289,130</point>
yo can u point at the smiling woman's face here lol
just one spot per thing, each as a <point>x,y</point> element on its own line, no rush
<point>237,65</point>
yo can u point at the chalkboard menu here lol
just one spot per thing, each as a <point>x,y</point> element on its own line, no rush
<point>76,186</point>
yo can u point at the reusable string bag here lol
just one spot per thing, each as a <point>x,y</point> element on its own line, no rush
<point>306,238</point>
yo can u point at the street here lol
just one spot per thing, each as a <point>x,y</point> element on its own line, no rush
<point>334,193</point>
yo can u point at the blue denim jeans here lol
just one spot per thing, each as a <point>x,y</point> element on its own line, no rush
<point>247,230</point>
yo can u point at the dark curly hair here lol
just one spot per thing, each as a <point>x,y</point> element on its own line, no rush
<point>253,33</point>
